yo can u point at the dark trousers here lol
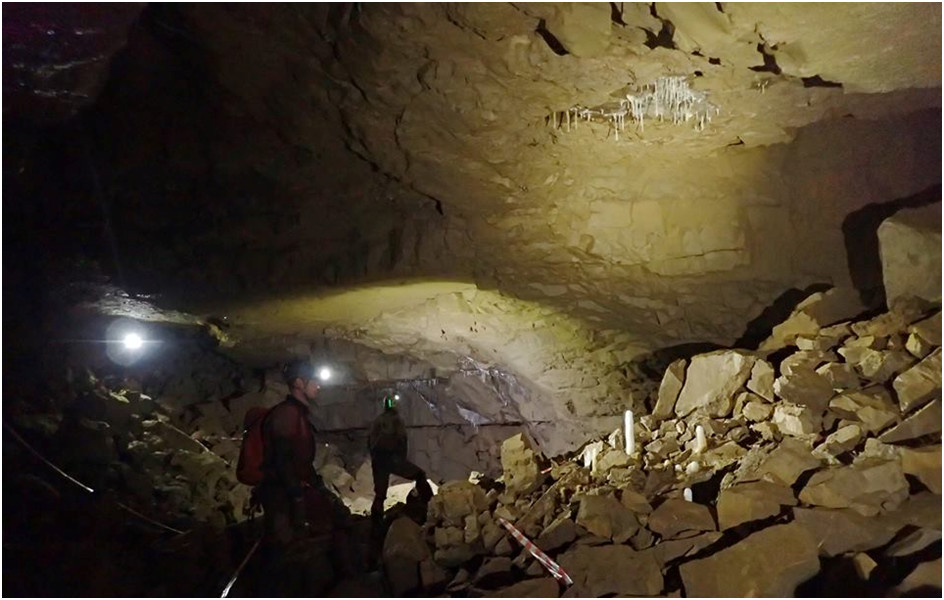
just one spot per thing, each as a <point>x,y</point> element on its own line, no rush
<point>385,466</point>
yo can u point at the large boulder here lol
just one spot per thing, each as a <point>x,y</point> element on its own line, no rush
<point>613,569</point>
<point>403,550</point>
<point>711,381</point>
<point>910,249</point>
<point>606,517</point>
<point>751,502</point>
<point>771,562</point>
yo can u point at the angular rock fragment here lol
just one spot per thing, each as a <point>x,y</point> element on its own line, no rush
<point>925,464</point>
<point>520,465</point>
<point>805,388</point>
<point>787,462</point>
<point>635,501</point>
<point>805,360</point>
<point>928,329</point>
<point>925,421</point>
<point>455,501</point>
<point>557,535</point>
<point>433,578</point>
<point>797,421</point>
<point>910,249</point>
<point>758,411</point>
<point>917,346</point>
<point>676,518</point>
<point>839,442</point>
<point>613,569</point>
<point>669,389</point>
<point>920,383</point>
<point>868,487</point>
<point>752,501</point>
<point>872,406</point>
<point>864,565</point>
<point>771,562</point>
<point>881,365</point>
<point>837,531</point>
<point>606,517</point>
<point>494,572</point>
<point>711,381</point>
<point>841,376</point>
<point>762,380</point>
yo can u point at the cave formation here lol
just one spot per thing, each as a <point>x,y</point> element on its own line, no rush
<point>505,213</point>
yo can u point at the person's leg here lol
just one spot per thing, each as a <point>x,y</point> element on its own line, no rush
<point>408,470</point>
<point>381,474</point>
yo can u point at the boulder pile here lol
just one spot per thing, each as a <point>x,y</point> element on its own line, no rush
<point>757,473</point>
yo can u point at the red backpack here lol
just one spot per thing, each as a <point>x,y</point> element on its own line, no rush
<point>252,452</point>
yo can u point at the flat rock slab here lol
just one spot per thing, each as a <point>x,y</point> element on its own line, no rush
<point>675,517</point>
<point>914,542</point>
<point>837,531</point>
<point>790,460</point>
<point>669,389</point>
<point>711,381</point>
<point>557,535</point>
<point>872,406</point>
<point>771,562</point>
<point>666,551</point>
<point>926,421</point>
<point>868,487</point>
<point>920,383</point>
<point>751,502</point>
<point>613,569</point>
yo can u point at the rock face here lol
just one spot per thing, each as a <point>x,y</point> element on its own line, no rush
<point>711,381</point>
<point>771,562</point>
<point>519,464</point>
<point>910,248</point>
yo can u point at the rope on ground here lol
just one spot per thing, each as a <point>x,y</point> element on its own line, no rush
<point>81,485</point>
<point>239,569</point>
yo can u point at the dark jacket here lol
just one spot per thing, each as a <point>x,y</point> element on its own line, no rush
<point>388,435</point>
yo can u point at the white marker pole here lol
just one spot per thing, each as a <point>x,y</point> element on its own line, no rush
<point>629,432</point>
<point>701,444</point>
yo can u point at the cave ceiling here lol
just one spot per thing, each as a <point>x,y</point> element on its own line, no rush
<point>288,166</point>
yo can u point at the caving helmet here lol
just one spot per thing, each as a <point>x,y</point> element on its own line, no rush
<point>391,400</point>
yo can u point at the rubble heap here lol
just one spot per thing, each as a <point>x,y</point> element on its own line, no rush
<point>824,448</point>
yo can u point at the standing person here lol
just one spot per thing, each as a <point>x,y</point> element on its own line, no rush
<point>388,450</point>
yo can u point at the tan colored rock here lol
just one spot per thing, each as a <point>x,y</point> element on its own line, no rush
<point>676,518</point>
<point>805,388</point>
<point>771,562</point>
<point>635,502</point>
<point>872,406</point>
<point>837,531</point>
<point>925,464</point>
<point>841,376</point>
<point>762,380</point>
<point>925,575</point>
<point>785,334</point>
<point>752,501</point>
<point>917,346</point>
<point>613,569</point>
<point>805,360</point>
<point>668,550</point>
<point>520,465</point>
<point>787,462</point>
<point>797,421</point>
<point>711,381</point>
<point>767,431</point>
<point>455,501</point>
<point>920,383</point>
<point>582,27</point>
<point>403,550</point>
<point>925,421</point>
<point>494,572</point>
<point>606,517</point>
<point>910,249</point>
<point>757,411</point>
<point>881,365</point>
<point>867,487</point>
<point>672,382</point>
<point>928,329</point>
<point>557,535</point>
<point>864,565</point>
<point>839,442</point>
